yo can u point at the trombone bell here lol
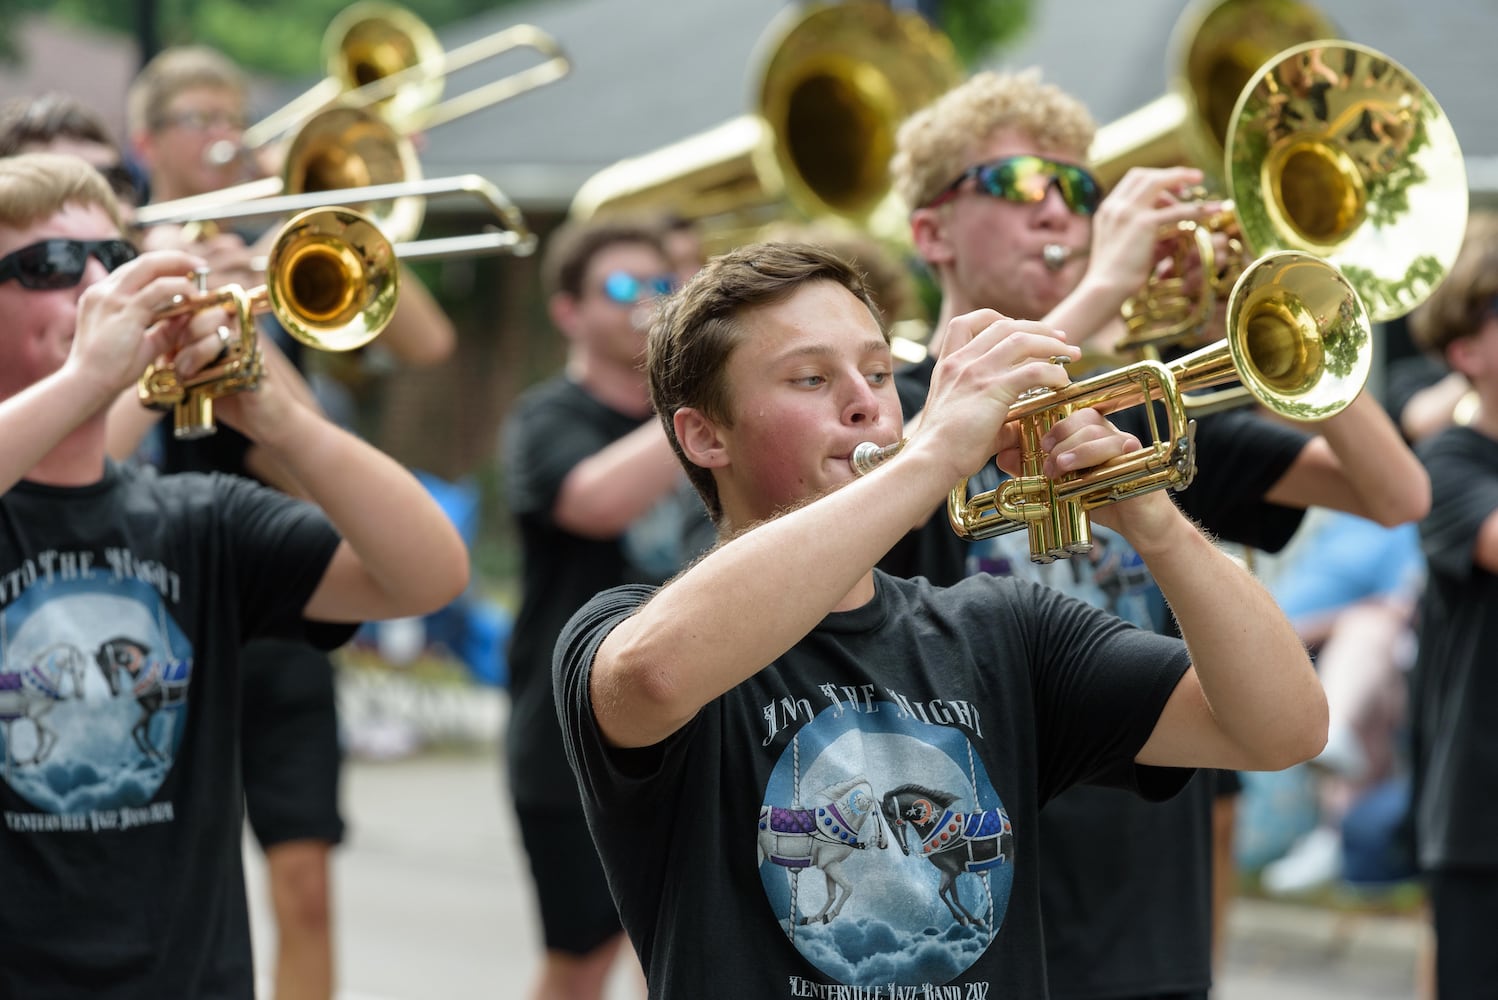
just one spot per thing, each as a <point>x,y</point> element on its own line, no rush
<point>1336,150</point>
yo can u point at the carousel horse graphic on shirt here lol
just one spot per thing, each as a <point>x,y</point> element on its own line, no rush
<point>823,837</point>
<point>33,691</point>
<point>156,682</point>
<point>953,841</point>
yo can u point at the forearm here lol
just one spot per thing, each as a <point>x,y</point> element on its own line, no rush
<point>1387,478</point>
<point>36,419</point>
<point>1358,464</point>
<point>750,600</point>
<point>411,558</point>
<point>1091,309</point>
<point>419,333</point>
<point>1265,701</point>
<point>128,424</point>
<point>611,489</point>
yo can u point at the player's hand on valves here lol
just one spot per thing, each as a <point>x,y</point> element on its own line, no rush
<point>988,361</point>
<point>1126,231</point>
<point>119,329</point>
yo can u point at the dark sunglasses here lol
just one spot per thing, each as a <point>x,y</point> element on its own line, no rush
<point>1027,180</point>
<point>625,289</point>
<point>59,263</point>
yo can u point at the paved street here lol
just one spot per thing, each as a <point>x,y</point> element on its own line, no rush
<point>433,903</point>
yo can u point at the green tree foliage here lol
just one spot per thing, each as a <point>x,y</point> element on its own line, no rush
<point>273,37</point>
<point>979,27</point>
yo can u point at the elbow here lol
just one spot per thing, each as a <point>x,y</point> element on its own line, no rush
<point>647,698</point>
<point>1302,737</point>
<point>1410,503</point>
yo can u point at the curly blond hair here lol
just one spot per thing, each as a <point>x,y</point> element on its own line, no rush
<point>934,145</point>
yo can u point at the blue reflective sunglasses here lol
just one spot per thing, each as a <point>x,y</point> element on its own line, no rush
<point>625,289</point>
<point>60,263</point>
<point>1027,179</point>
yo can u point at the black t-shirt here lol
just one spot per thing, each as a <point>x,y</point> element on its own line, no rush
<point>553,427</point>
<point>1456,689</point>
<point>122,609</point>
<point>863,810</point>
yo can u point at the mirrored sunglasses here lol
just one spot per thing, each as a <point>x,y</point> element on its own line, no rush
<point>626,289</point>
<point>1027,180</point>
<point>60,263</point>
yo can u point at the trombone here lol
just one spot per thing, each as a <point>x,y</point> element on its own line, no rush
<point>1299,339</point>
<point>514,238</point>
<point>1335,150</point>
<point>332,282</point>
<point>380,56</point>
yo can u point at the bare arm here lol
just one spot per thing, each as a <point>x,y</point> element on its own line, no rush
<point>611,489</point>
<point>420,332</point>
<point>1360,464</point>
<point>400,555</point>
<point>1251,699</point>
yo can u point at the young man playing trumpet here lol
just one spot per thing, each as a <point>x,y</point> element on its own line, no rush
<point>751,736</point>
<point>1007,217</point>
<point>129,595</point>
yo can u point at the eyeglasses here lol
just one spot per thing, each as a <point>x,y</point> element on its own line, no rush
<point>60,263</point>
<point>626,289</point>
<point>1027,180</point>
<point>197,120</point>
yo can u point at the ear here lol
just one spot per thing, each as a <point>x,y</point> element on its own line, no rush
<point>929,233</point>
<point>143,149</point>
<point>1461,356</point>
<point>700,439</point>
<point>562,308</point>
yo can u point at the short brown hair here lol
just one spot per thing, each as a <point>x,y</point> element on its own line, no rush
<point>933,145</point>
<point>42,120</point>
<point>1470,290</point>
<point>698,328</point>
<point>884,273</point>
<point>36,186</point>
<point>571,248</point>
<point>172,71</point>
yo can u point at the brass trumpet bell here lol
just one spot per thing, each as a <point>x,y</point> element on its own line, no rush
<point>333,285</point>
<point>1298,339</point>
<point>1337,150</point>
<point>332,279</point>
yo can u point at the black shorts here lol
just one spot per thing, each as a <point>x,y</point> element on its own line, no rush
<point>1464,907</point>
<point>290,750</point>
<point>577,911</point>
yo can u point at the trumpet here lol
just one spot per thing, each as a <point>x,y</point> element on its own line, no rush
<point>333,285</point>
<point>1299,339</point>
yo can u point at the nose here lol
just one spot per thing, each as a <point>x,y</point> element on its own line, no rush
<point>1053,212</point>
<point>864,404</point>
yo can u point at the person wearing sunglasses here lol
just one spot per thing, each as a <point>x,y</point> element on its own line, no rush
<point>598,500</point>
<point>1006,216</point>
<point>128,595</point>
